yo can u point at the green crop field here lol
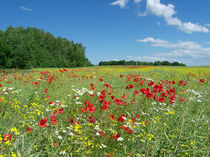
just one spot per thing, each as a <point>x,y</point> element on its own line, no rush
<point>105,111</point>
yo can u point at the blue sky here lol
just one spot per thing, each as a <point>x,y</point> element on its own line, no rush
<point>145,30</point>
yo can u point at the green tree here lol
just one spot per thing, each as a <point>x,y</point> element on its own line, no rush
<point>5,53</point>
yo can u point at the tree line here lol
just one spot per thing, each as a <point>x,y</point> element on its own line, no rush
<point>34,48</point>
<point>156,63</point>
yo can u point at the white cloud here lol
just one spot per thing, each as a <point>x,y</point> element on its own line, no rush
<point>207,25</point>
<point>168,12</point>
<point>158,23</point>
<point>166,44</point>
<point>25,9</point>
<point>137,1</point>
<point>188,52</point>
<point>145,58</point>
<point>152,40</point>
<point>190,27</point>
<point>121,3</point>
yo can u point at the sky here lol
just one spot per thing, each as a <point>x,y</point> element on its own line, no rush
<point>140,30</point>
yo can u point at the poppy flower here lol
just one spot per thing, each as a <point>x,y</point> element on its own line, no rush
<point>137,116</point>
<point>91,119</point>
<point>106,85</point>
<point>60,110</point>
<point>121,118</point>
<point>53,118</point>
<point>45,90</point>
<point>7,137</point>
<point>161,100</point>
<point>151,83</point>
<point>29,130</point>
<point>101,133</point>
<point>112,116</point>
<point>71,120</point>
<point>51,102</point>
<point>182,99</point>
<point>129,86</point>
<point>115,136</point>
<point>56,144</point>
<point>43,122</point>
<point>136,93</point>
<point>202,80</point>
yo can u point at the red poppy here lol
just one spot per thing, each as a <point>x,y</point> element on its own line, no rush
<point>124,97</point>
<point>7,137</point>
<point>182,99</point>
<point>115,136</point>
<point>121,118</point>
<point>163,95</point>
<point>71,120</point>
<point>136,93</point>
<point>129,86</point>
<point>202,80</point>
<point>137,116</point>
<point>127,130</point>
<point>43,122</point>
<point>29,130</point>
<point>112,97</point>
<point>101,133</point>
<point>48,96</point>
<point>91,119</point>
<point>56,144</point>
<point>161,100</point>
<point>51,102</point>
<point>46,90</point>
<point>150,83</point>
<point>60,110</point>
<point>53,118</point>
<point>112,116</point>
<point>106,85</point>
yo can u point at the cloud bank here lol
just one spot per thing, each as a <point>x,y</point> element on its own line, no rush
<point>188,52</point>
<point>155,7</point>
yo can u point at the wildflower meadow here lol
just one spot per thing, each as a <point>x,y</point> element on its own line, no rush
<point>132,111</point>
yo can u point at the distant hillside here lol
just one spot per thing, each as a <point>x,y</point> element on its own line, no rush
<point>35,48</point>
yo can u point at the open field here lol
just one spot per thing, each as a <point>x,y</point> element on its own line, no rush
<point>105,111</point>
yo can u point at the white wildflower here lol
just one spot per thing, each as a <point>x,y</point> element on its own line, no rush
<point>103,146</point>
<point>120,139</point>
<point>97,127</point>
<point>63,152</point>
<point>56,132</point>
<point>60,137</point>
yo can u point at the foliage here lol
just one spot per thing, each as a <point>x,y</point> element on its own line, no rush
<point>35,48</point>
<point>156,63</point>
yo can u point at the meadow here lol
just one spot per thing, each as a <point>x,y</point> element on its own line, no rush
<point>105,111</point>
